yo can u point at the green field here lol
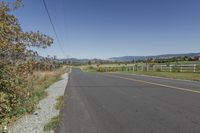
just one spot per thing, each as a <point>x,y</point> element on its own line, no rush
<point>174,75</point>
<point>126,68</point>
<point>131,64</point>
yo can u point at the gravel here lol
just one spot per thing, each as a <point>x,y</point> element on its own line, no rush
<point>45,110</point>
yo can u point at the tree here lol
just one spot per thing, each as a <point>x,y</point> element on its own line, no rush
<point>16,60</point>
<point>89,62</point>
<point>14,41</point>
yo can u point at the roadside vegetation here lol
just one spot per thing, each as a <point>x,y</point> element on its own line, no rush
<point>60,102</point>
<point>23,76</point>
<point>89,68</point>
<point>54,122</point>
<point>41,81</point>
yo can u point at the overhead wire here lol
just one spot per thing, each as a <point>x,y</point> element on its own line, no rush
<point>53,27</point>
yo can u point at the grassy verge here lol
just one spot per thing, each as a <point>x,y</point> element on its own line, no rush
<point>42,81</point>
<point>174,75</point>
<point>38,82</point>
<point>60,102</point>
<point>53,124</point>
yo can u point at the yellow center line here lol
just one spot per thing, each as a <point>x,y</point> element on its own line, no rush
<point>157,84</point>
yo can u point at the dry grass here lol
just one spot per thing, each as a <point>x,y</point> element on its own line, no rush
<point>60,102</point>
<point>53,124</point>
<point>38,82</point>
<point>41,80</point>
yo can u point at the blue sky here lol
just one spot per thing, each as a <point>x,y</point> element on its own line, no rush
<point>108,28</point>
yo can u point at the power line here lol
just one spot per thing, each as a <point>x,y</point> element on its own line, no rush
<point>54,29</point>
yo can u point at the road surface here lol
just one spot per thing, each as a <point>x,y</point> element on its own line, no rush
<point>121,103</point>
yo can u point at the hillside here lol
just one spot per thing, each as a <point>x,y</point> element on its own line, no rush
<point>165,56</point>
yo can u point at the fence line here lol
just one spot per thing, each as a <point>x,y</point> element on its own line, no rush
<point>150,67</point>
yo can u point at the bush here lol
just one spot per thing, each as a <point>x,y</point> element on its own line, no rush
<point>17,63</point>
<point>13,94</point>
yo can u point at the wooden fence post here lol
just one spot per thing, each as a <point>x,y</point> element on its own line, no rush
<point>194,68</point>
<point>154,68</point>
<point>181,68</point>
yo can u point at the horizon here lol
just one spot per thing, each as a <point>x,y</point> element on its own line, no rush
<point>130,56</point>
<point>99,66</point>
<point>118,28</point>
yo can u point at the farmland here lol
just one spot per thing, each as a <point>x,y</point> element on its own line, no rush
<point>189,70</point>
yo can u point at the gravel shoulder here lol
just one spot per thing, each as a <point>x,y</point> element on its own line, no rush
<point>35,122</point>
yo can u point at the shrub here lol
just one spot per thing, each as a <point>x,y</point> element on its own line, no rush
<point>17,63</point>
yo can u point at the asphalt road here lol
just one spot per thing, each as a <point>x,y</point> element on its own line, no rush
<point>120,103</point>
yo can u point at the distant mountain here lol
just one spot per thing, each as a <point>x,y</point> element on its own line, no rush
<point>119,59</point>
<point>83,61</point>
<point>165,56</point>
<point>75,60</point>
